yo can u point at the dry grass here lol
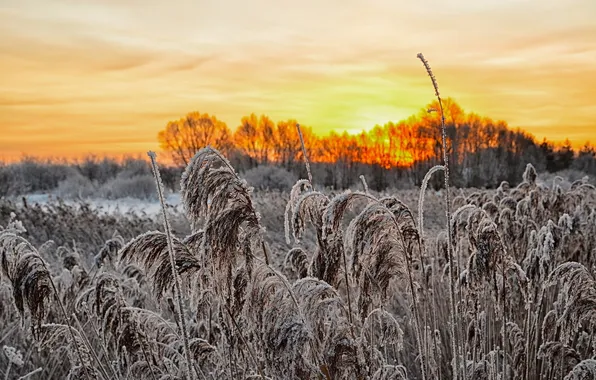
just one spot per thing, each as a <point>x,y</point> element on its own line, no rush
<point>523,258</point>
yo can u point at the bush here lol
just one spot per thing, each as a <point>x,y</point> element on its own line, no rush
<point>6,176</point>
<point>30,176</point>
<point>170,176</point>
<point>564,177</point>
<point>75,186</point>
<point>139,186</point>
<point>134,167</point>
<point>270,178</point>
<point>98,171</point>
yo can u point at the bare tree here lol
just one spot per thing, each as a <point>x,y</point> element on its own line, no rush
<point>183,138</point>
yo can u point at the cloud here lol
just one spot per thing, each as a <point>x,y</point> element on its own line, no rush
<point>101,69</point>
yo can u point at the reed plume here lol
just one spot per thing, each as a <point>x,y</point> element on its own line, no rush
<point>172,258</point>
<point>151,251</point>
<point>452,300</point>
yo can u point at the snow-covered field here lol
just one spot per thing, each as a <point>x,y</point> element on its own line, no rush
<point>114,206</point>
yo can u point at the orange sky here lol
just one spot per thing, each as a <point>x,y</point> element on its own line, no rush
<point>105,76</point>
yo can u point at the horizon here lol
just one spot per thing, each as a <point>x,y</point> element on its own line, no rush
<point>104,78</point>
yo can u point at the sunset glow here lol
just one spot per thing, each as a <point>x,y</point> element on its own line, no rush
<point>105,76</point>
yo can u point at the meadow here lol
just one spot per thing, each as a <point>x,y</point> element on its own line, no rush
<point>303,285</point>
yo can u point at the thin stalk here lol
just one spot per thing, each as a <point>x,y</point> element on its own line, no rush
<point>422,243</point>
<point>476,332</point>
<point>101,342</point>
<point>30,373</point>
<point>250,352</point>
<point>348,291</point>
<point>52,369</point>
<point>230,365</point>
<point>364,184</point>
<point>177,286</point>
<point>200,371</point>
<point>210,326</point>
<point>91,350</point>
<point>265,251</point>
<point>8,370</point>
<point>145,353</point>
<point>534,329</point>
<point>434,313</point>
<point>593,328</point>
<point>304,154</point>
<point>452,299</point>
<point>416,321</point>
<point>423,188</point>
<point>504,327</point>
<point>13,328</point>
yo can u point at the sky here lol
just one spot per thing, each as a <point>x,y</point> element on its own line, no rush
<point>104,76</point>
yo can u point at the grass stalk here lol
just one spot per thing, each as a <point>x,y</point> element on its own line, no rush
<point>37,370</point>
<point>92,351</point>
<point>177,285</point>
<point>248,348</point>
<point>8,370</point>
<point>452,300</point>
<point>364,184</point>
<point>422,243</point>
<point>304,154</point>
<point>347,280</point>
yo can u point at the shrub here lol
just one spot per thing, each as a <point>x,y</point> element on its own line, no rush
<point>138,186</point>
<point>30,175</point>
<point>270,178</point>
<point>75,186</point>
<point>565,177</point>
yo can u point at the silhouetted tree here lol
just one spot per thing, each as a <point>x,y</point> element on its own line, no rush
<point>565,155</point>
<point>183,138</point>
<point>586,159</point>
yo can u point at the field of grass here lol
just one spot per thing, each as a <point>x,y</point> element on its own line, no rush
<point>302,285</point>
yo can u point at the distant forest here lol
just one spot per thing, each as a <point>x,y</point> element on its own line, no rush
<point>482,153</point>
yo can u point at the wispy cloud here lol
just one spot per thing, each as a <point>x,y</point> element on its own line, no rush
<point>107,75</point>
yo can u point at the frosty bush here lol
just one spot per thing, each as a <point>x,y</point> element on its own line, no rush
<point>138,186</point>
<point>266,177</point>
<point>75,186</point>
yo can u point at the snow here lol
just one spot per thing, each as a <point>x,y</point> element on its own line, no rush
<point>115,206</point>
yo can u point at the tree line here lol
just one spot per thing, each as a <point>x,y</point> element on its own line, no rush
<point>482,152</point>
